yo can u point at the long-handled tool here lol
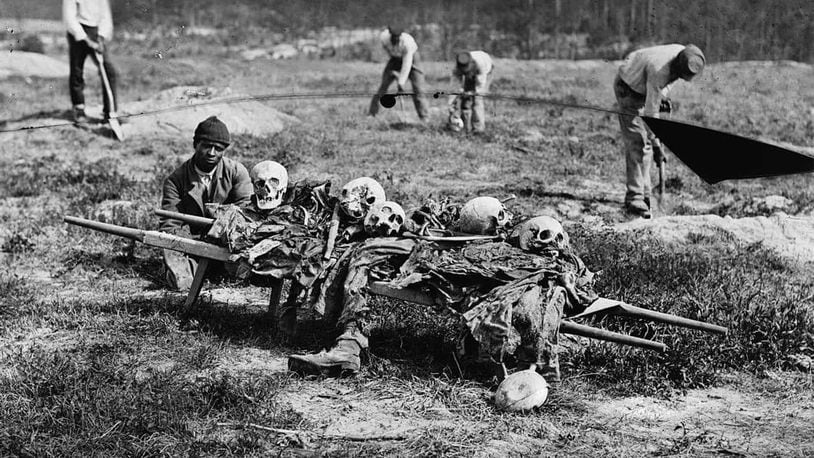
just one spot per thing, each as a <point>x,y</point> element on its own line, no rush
<point>112,120</point>
<point>661,162</point>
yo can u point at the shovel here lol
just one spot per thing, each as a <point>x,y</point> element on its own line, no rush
<point>112,121</point>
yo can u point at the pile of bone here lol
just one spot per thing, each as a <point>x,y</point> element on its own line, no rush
<point>364,208</point>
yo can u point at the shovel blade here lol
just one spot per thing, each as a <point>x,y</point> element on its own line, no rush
<point>116,127</point>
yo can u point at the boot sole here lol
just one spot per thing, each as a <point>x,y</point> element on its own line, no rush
<point>305,367</point>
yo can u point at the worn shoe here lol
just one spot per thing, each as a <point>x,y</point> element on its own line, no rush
<point>178,273</point>
<point>638,208</point>
<point>79,116</point>
<point>343,358</point>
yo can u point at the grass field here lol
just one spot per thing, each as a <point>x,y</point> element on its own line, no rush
<point>98,359</point>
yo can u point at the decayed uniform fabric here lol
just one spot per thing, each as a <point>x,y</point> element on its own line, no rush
<point>342,296</point>
<point>510,301</point>
<point>284,242</point>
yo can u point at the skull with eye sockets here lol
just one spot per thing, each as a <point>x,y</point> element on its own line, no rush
<point>538,234</point>
<point>270,180</point>
<point>358,196</point>
<point>385,219</point>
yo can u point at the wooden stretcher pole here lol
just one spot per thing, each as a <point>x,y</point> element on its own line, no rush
<point>568,327</point>
<point>192,220</point>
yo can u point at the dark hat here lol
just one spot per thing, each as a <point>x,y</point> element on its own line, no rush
<point>212,130</point>
<point>691,61</point>
<point>464,61</point>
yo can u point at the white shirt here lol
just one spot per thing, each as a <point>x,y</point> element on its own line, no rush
<point>205,178</point>
<point>92,13</point>
<point>647,71</point>
<point>483,66</point>
<point>405,49</point>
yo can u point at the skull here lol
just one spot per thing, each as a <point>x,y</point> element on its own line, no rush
<point>539,234</point>
<point>358,195</point>
<point>483,215</point>
<point>385,219</point>
<point>270,181</point>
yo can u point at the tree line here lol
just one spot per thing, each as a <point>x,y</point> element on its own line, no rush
<point>525,29</point>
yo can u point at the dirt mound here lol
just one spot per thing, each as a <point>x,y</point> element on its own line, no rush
<point>791,237</point>
<point>178,110</point>
<point>31,64</point>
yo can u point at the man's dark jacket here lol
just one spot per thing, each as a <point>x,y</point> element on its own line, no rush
<point>183,192</point>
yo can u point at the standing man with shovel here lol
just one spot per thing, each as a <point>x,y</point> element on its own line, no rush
<point>473,69</point>
<point>641,88</point>
<point>90,26</point>
<point>402,66</point>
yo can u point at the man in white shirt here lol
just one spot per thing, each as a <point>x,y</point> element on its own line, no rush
<point>473,69</point>
<point>90,27</point>
<point>403,65</point>
<point>642,83</point>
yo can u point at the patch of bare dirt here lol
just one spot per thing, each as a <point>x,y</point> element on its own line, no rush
<point>722,420</point>
<point>245,360</point>
<point>338,411</point>
<point>791,237</point>
<point>31,64</point>
<point>177,111</point>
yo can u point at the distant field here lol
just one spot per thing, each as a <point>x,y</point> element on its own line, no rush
<point>98,359</point>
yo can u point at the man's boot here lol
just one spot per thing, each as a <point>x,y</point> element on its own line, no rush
<point>179,270</point>
<point>342,358</point>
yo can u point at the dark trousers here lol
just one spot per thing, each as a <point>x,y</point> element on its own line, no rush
<point>78,52</point>
<point>416,79</point>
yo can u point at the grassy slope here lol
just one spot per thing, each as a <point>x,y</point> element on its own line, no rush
<point>97,358</point>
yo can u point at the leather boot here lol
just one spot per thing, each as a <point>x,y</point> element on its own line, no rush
<point>342,358</point>
<point>179,270</point>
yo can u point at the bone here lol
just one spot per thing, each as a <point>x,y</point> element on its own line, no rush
<point>332,233</point>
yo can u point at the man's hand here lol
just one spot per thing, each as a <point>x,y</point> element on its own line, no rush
<point>94,45</point>
<point>658,153</point>
<point>666,105</point>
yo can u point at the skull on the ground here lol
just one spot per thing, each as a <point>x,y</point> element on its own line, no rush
<point>540,233</point>
<point>358,195</point>
<point>270,180</point>
<point>385,219</point>
<point>483,215</point>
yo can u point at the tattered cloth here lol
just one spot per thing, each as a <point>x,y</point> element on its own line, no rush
<point>285,242</point>
<point>510,301</point>
<point>341,295</point>
<point>503,293</point>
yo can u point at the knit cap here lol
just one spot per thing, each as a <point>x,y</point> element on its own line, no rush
<point>212,130</point>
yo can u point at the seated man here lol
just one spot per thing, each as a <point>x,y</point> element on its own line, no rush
<point>205,178</point>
